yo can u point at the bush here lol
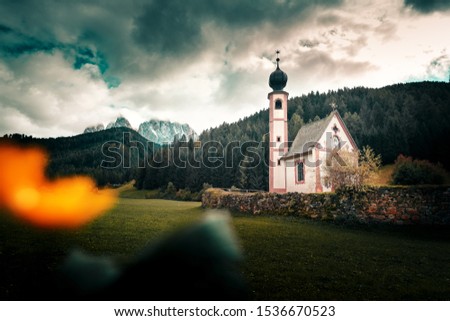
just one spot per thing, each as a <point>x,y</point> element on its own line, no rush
<point>154,194</point>
<point>351,169</point>
<point>170,192</point>
<point>198,196</point>
<point>409,171</point>
<point>184,195</point>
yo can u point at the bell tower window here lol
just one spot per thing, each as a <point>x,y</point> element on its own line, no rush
<point>278,104</point>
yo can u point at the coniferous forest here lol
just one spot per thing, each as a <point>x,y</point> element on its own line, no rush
<point>411,119</point>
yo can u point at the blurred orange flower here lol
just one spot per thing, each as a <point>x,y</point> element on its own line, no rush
<point>28,194</point>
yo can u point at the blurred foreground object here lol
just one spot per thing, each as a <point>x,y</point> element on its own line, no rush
<point>196,263</point>
<point>29,195</point>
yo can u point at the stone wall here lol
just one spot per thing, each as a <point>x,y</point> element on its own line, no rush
<point>394,205</point>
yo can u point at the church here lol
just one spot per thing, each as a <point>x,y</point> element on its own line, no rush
<point>300,167</point>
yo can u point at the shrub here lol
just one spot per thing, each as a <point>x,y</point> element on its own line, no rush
<point>206,186</point>
<point>198,196</point>
<point>154,194</point>
<point>170,191</point>
<point>352,169</point>
<point>409,171</point>
<point>184,195</point>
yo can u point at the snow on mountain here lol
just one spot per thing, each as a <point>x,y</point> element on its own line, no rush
<point>93,129</point>
<point>165,131</point>
<point>157,131</point>
<point>120,122</point>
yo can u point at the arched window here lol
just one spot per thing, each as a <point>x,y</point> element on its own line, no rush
<point>300,175</point>
<point>278,104</point>
<point>336,142</point>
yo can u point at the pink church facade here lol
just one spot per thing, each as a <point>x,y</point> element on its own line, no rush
<point>301,167</point>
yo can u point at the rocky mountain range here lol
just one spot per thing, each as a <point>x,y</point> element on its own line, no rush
<point>120,122</point>
<point>164,131</point>
<point>93,129</point>
<point>157,131</point>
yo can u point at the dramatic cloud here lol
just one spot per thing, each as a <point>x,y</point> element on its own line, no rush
<point>428,5</point>
<point>439,67</point>
<point>45,93</point>
<point>67,65</point>
<point>179,27</point>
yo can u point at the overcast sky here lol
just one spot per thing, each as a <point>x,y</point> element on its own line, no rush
<point>67,65</point>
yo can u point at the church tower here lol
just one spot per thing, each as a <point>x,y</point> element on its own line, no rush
<point>278,129</point>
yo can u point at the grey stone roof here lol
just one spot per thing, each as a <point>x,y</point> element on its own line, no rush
<point>308,136</point>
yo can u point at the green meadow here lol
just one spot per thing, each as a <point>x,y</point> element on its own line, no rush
<point>284,258</point>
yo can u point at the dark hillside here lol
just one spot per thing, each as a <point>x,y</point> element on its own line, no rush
<point>110,156</point>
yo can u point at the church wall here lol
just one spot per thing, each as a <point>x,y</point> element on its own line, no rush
<point>278,141</point>
<point>326,144</point>
<point>323,154</point>
<point>279,178</point>
<point>278,113</point>
<point>278,130</point>
<point>315,176</point>
<point>341,133</point>
<point>309,183</point>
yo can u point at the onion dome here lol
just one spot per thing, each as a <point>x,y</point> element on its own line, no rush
<point>278,78</point>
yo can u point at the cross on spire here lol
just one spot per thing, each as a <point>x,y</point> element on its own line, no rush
<point>333,106</point>
<point>278,59</point>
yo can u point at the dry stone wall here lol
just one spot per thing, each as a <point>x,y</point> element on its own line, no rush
<point>393,205</point>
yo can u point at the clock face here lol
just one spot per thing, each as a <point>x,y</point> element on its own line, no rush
<point>335,142</point>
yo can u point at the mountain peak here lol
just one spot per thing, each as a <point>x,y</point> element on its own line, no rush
<point>161,132</point>
<point>158,131</point>
<point>93,129</point>
<point>120,122</point>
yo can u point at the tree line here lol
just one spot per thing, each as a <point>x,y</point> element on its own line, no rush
<point>100,155</point>
<point>411,119</point>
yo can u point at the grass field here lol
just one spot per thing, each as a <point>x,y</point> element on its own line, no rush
<point>285,258</point>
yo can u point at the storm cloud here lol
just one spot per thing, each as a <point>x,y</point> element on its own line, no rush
<point>67,65</point>
<point>428,5</point>
<point>178,27</point>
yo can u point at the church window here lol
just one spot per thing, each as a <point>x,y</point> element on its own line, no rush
<point>335,129</point>
<point>278,139</point>
<point>279,162</point>
<point>300,172</point>
<point>336,142</point>
<point>278,104</point>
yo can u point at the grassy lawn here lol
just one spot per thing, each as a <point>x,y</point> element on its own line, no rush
<point>289,258</point>
<point>285,258</point>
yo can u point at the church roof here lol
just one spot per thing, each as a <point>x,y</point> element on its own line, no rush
<point>309,135</point>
